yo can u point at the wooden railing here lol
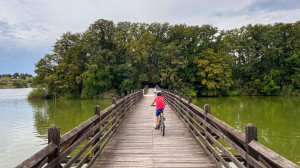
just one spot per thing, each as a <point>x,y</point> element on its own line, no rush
<point>157,87</point>
<point>86,140</point>
<point>209,130</point>
<point>146,89</point>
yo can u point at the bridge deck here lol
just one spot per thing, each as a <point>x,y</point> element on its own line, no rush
<point>137,144</point>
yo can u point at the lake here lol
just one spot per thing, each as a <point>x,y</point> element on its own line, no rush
<point>24,124</point>
<point>277,120</point>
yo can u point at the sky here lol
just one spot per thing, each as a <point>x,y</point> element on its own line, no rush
<point>29,28</point>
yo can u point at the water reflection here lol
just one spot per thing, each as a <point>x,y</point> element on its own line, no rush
<point>25,123</point>
<point>66,114</point>
<point>277,119</point>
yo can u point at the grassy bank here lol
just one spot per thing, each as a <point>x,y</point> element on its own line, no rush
<point>15,83</point>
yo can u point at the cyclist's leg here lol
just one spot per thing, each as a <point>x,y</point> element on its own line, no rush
<point>163,114</point>
<point>157,114</point>
<point>156,118</point>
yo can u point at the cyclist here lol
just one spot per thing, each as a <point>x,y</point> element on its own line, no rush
<point>160,106</point>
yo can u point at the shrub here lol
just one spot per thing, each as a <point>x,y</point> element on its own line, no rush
<point>38,93</point>
<point>19,84</point>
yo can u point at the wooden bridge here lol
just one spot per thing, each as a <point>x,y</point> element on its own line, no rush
<point>123,135</point>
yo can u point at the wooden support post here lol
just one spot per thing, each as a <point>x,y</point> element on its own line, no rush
<point>97,112</point>
<point>54,136</point>
<point>128,92</point>
<point>122,95</point>
<point>181,95</point>
<point>207,130</point>
<point>251,134</point>
<point>114,101</point>
<point>190,100</point>
<point>130,99</point>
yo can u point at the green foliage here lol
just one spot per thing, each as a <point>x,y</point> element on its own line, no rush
<point>95,81</point>
<point>196,60</point>
<point>270,82</point>
<point>126,78</point>
<point>19,83</point>
<point>189,90</point>
<point>214,74</point>
<point>38,93</point>
<point>15,80</point>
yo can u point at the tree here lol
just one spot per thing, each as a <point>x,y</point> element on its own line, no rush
<point>96,80</point>
<point>15,75</point>
<point>214,74</point>
<point>171,62</point>
<point>271,82</point>
<point>125,78</point>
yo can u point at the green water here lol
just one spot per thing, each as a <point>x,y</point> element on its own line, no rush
<point>277,120</point>
<point>24,124</point>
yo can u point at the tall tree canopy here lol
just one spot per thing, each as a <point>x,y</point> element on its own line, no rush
<point>197,60</point>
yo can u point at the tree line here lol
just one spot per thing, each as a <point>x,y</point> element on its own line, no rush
<point>16,76</point>
<point>15,80</point>
<point>195,60</point>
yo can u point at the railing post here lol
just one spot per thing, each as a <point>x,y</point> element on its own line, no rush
<point>207,130</point>
<point>190,100</point>
<point>54,136</point>
<point>97,112</point>
<point>130,99</point>
<point>128,92</point>
<point>251,134</point>
<point>180,95</point>
<point>114,101</point>
<point>122,95</point>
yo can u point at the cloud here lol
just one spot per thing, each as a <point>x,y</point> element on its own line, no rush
<point>30,25</point>
<point>36,22</point>
<point>258,12</point>
<point>274,5</point>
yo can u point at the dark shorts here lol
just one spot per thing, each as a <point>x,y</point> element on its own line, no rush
<point>158,111</point>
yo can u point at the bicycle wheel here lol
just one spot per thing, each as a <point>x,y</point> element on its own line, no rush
<point>162,128</point>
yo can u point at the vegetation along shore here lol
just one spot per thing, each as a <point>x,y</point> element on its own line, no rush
<point>195,60</point>
<point>15,80</point>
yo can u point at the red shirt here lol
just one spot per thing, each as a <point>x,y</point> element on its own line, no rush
<point>159,102</point>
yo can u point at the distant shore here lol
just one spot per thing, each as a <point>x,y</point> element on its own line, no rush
<point>9,83</point>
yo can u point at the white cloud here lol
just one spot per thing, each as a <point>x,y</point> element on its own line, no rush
<point>36,23</point>
<point>261,17</point>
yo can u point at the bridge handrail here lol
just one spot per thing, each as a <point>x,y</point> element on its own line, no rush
<point>96,132</point>
<point>208,129</point>
<point>146,89</point>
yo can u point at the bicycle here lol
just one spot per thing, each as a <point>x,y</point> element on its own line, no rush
<point>161,123</point>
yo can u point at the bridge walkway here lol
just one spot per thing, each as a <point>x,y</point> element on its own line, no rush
<point>137,144</point>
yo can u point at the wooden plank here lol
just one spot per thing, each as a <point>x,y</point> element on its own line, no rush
<point>73,146</point>
<point>37,157</point>
<point>80,159</point>
<point>235,133</point>
<point>86,157</point>
<point>182,117</point>
<point>77,129</point>
<point>136,143</point>
<point>216,154</point>
<point>226,152</point>
<point>82,150</point>
<point>271,156</point>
